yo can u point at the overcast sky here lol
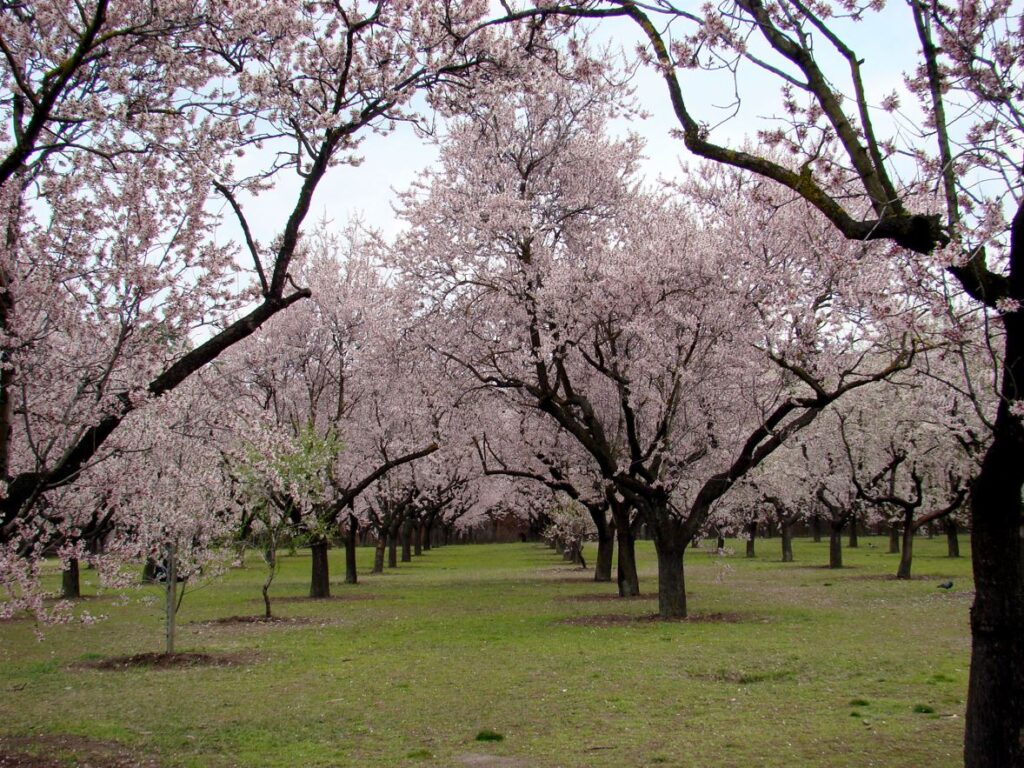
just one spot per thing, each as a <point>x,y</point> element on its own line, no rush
<point>393,161</point>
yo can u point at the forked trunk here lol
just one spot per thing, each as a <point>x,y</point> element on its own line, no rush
<point>70,581</point>
<point>320,579</point>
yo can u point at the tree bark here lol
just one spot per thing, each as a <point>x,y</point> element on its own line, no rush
<point>835,545</point>
<point>787,542</point>
<point>671,582</point>
<point>853,542</point>
<point>171,597</point>
<point>417,538</point>
<point>393,550</point>
<point>751,536</point>
<point>952,537</point>
<point>378,554</point>
<point>995,693</point>
<point>894,539</point>
<point>816,527</point>
<point>351,576</point>
<point>320,580</point>
<point>70,581</point>
<point>628,581</point>
<point>406,534</point>
<point>670,541</point>
<point>906,558</point>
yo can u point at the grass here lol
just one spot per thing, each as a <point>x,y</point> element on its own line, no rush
<point>413,666</point>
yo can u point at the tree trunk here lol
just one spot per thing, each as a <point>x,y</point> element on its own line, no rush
<point>149,571</point>
<point>816,527</point>
<point>787,542</point>
<point>952,539</point>
<point>670,542</point>
<point>628,581</point>
<point>320,581</point>
<point>406,534</point>
<point>720,544</point>
<point>417,538</point>
<point>392,550</point>
<point>428,534</point>
<point>605,557</point>
<point>751,536</point>
<point>378,554</point>
<point>171,595</point>
<point>835,545</point>
<point>995,692</point>
<point>903,572</point>
<point>853,543</point>
<point>70,581</point>
<point>894,539</point>
<point>671,582</point>
<point>351,576</point>
<point>270,558</point>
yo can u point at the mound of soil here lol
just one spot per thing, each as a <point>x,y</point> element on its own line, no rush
<point>332,598</point>
<point>62,751</point>
<point>285,620</point>
<point>166,661</point>
<point>603,597</point>
<point>620,620</point>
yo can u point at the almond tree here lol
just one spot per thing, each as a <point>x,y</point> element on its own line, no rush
<point>612,312</point>
<point>334,382</point>
<point>848,165</point>
<point>130,131</point>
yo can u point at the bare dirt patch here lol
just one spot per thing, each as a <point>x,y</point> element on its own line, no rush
<point>263,620</point>
<point>64,751</point>
<point>167,661</point>
<point>331,599</point>
<point>602,598</point>
<point>621,620</point>
<point>490,761</point>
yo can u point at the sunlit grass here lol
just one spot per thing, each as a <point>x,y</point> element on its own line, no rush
<point>815,667</point>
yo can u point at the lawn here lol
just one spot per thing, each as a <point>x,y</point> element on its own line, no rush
<point>782,665</point>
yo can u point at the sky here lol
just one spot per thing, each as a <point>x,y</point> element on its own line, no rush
<point>392,162</point>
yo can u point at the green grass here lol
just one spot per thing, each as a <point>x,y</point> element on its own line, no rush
<point>407,668</point>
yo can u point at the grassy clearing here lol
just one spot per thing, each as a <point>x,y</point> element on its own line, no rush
<point>814,667</point>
